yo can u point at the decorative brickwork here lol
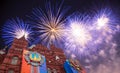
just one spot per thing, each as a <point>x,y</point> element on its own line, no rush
<point>10,63</point>
<point>54,56</point>
<point>2,55</point>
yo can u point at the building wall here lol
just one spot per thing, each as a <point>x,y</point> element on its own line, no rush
<point>14,51</point>
<point>2,58</point>
<point>54,57</point>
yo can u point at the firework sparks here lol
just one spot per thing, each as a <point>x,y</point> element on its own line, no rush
<point>103,45</point>
<point>102,22</point>
<point>78,35</point>
<point>16,29</point>
<point>50,23</point>
<point>85,37</point>
<point>20,33</point>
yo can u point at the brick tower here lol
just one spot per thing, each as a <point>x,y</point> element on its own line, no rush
<point>12,61</point>
<point>55,57</point>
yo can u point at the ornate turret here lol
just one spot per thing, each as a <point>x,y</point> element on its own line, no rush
<point>36,58</point>
<point>12,61</point>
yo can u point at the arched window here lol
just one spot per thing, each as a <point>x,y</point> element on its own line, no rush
<point>54,71</point>
<point>14,60</point>
<point>49,70</point>
<point>10,71</point>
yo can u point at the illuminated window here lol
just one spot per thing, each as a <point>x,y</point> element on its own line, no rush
<point>10,71</point>
<point>54,71</point>
<point>14,60</point>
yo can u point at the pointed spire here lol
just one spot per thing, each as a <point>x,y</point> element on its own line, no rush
<point>22,38</point>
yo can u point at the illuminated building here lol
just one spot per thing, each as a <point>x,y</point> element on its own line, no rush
<point>23,59</point>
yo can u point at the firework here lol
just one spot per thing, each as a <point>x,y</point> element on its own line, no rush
<point>86,36</point>
<point>16,29</point>
<point>78,34</point>
<point>102,22</point>
<point>50,23</point>
<point>104,19</point>
<point>105,25</point>
<point>103,47</point>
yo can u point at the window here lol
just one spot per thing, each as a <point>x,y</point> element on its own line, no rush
<point>10,71</point>
<point>57,58</point>
<point>54,71</point>
<point>14,60</point>
<point>49,70</point>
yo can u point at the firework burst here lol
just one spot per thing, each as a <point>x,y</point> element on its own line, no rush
<point>104,19</point>
<point>86,37</point>
<point>79,30</point>
<point>50,23</point>
<point>15,29</point>
<point>78,34</point>
<point>102,48</point>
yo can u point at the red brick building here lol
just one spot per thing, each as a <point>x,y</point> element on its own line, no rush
<point>2,55</point>
<point>12,61</point>
<point>55,57</point>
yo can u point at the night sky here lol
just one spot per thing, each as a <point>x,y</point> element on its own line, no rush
<point>21,8</point>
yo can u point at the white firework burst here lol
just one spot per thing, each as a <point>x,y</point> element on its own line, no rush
<point>50,23</point>
<point>16,29</point>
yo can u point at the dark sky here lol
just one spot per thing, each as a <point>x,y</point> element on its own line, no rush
<point>20,8</point>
